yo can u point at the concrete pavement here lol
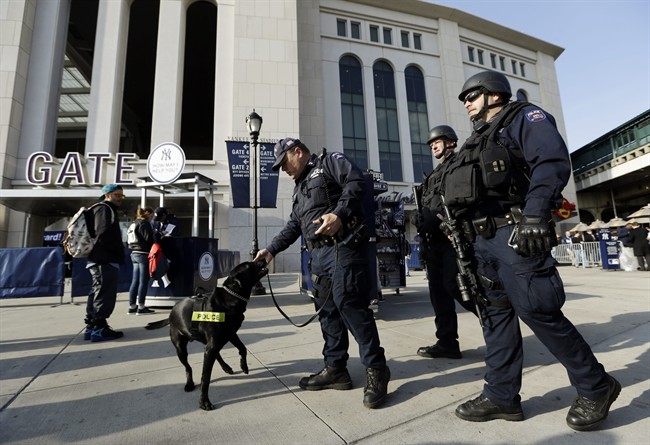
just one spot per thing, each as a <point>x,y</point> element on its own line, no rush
<point>56,388</point>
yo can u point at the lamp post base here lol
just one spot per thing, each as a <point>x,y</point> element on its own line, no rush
<point>258,289</point>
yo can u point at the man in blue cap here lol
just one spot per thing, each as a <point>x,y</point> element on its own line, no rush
<point>104,264</point>
<point>327,211</point>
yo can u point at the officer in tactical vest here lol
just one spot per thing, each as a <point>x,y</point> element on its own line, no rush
<point>327,211</point>
<point>438,252</point>
<point>507,178</point>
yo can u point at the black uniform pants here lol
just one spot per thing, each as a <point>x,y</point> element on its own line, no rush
<point>347,307</point>
<point>443,292</point>
<point>536,293</point>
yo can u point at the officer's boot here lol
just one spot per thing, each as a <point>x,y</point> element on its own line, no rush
<point>376,388</point>
<point>329,378</point>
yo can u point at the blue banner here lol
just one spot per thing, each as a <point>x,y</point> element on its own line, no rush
<point>239,160</point>
<point>31,272</point>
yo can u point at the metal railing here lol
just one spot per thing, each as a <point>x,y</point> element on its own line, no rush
<point>580,255</point>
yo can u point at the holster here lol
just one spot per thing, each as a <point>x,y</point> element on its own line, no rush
<point>325,282</point>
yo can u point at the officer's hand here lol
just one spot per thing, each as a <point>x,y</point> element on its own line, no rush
<point>329,224</point>
<point>535,236</point>
<point>263,255</point>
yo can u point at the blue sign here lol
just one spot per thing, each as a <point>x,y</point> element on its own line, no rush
<point>609,250</point>
<point>239,159</point>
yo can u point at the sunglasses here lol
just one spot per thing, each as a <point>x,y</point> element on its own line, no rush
<point>471,97</point>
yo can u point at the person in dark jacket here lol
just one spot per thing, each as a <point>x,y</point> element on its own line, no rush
<point>140,238</point>
<point>638,240</point>
<point>327,209</point>
<point>439,254</point>
<point>519,164</point>
<point>104,264</point>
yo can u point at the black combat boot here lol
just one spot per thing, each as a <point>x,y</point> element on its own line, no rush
<point>437,351</point>
<point>586,414</point>
<point>481,409</point>
<point>328,378</point>
<point>376,388</point>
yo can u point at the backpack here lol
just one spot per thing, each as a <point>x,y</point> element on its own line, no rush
<point>80,238</point>
<point>131,236</point>
<point>158,263</point>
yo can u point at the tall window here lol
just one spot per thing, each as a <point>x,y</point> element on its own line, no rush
<point>74,99</point>
<point>355,30</point>
<point>470,53</point>
<point>355,145</point>
<point>405,39</point>
<point>374,33</point>
<point>388,36</point>
<point>418,122</point>
<point>137,107</point>
<point>197,122</point>
<point>340,27</point>
<point>417,41</point>
<point>390,160</point>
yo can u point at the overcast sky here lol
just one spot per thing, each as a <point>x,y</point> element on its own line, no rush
<point>604,70</point>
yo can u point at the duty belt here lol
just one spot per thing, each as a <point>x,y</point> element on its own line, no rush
<point>506,220</point>
<point>320,242</point>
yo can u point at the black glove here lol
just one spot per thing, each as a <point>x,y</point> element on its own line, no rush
<point>536,236</point>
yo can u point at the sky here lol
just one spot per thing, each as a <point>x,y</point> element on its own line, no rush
<point>604,71</point>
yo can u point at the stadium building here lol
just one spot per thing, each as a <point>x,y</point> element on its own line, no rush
<point>90,87</point>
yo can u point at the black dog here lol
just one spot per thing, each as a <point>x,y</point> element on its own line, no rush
<point>214,321</point>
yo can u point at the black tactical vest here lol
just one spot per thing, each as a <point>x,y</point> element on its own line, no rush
<point>484,168</point>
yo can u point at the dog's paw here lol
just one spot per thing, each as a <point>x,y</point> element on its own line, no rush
<point>228,370</point>
<point>244,366</point>
<point>206,405</point>
<point>189,387</point>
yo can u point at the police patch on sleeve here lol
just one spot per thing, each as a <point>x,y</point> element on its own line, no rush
<point>535,116</point>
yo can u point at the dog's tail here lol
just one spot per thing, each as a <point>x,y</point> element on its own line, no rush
<point>157,324</point>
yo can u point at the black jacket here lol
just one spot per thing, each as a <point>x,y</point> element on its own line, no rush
<point>144,235</point>
<point>108,248</point>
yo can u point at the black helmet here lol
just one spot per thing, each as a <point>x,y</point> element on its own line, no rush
<point>442,131</point>
<point>491,81</point>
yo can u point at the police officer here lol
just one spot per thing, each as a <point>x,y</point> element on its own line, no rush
<point>327,209</point>
<point>516,157</point>
<point>438,252</point>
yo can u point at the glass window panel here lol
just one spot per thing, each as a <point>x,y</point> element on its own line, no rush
<point>405,39</point>
<point>355,30</point>
<point>374,33</point>
<point>417,41</point>
<point>340,27</point>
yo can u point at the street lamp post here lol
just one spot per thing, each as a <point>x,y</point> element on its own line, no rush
<point>254,122</point>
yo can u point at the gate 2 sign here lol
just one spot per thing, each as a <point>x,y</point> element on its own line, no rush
<point>166,163</point>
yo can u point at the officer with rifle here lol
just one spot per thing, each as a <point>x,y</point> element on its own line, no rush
<point>516,158</point>
<point>438,253</point>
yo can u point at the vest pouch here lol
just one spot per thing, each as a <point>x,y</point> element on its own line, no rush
<point>464,187</point>
<point>495,166</point>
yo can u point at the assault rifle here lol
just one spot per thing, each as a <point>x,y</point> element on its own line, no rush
<point>467,279</point>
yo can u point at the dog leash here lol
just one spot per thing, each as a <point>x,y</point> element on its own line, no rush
<point>329,294</point>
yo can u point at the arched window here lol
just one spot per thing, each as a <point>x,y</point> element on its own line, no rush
<point>390,160</point>
<point>522,96</point>
<point>355,145</point>
<point>197,121</point>
<point>418,122</point>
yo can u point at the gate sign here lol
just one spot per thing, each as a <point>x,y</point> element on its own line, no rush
<point>166,163</point>
<point>239,158</point>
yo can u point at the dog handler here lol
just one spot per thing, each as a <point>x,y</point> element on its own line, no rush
<point>327,209</point>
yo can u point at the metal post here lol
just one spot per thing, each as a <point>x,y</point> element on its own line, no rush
<point>258,289</point>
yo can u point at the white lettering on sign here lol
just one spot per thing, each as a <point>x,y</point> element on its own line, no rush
<point>40,168</point>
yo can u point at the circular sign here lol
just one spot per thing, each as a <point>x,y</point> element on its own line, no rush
<point>206,266</point>
<point>166,163</point>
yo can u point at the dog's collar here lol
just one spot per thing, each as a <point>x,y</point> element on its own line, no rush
<point>236,295</point>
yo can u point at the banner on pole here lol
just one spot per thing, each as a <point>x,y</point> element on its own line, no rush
<point>239,158</point>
